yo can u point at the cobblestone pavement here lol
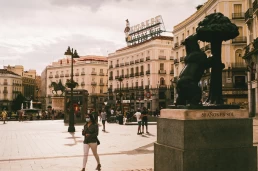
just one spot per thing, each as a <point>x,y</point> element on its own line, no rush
<point>46,145</point>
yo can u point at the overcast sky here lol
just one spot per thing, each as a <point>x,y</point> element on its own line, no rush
<point>33,33</point>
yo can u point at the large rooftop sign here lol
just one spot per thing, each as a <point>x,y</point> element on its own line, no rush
<point>144,31</point>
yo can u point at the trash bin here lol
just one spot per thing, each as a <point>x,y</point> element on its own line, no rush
<point>120,120</point>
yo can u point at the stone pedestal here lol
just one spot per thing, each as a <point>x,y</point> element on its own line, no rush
<point>58,103</point>
<point>205,140</point>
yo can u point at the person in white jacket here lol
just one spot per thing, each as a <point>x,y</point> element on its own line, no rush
<point>139,120</point>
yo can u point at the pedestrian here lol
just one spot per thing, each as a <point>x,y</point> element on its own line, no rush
<point>20,115</point>
<point>53,114</point>
<point>4,115</point>
<point>90,133</point>
<point>144,119</point>
<point>139,120</point>
<point>103,118</point>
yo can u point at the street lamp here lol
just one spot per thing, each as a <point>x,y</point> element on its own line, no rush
<point>120,79</point>
<point>72,85</point>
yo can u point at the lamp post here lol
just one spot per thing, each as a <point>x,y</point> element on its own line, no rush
<point>72,85</point>
<point>120,79</point>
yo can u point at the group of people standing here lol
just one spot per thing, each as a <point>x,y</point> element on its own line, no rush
<point>142,120</point>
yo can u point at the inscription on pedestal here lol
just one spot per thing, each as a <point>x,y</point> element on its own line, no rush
<point>217,114</point>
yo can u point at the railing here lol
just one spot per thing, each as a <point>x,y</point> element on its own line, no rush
<point>131,75</point>
<point>137,74</point>
<point>162,57</point>
<point>240,15</point>
<point>101,74</point>
<point>122,76</point>
<point>126,63</point>
<point>142,73</point>
<point>147,58</point>
<point>82,73</point>
<point>117,65</point>
<point>171,58</point>
<point>61,75</point>
<point>239,39</point>
<point>176,61</point>
<point>117,77</point>
<point>5,83</point>
<point>110,66</point>
<point>93,73</point>
<point>56,76</point>
<point>50,76</point>
<point>122,64</point>
<point>126,75</point>
<point>176,45</point>
<point>162,71</point>
<point>82,83</point>
<point>93,83</point>
<point>101,84</point>
<point>77,74</point>
<point>248,14</point>
<point>110,78</point>
<point>238,65</point>
<point>5,91</point>
<point>182,59</point>
<point>147,87</point>
<point>137,61</point>
<point>142,60</point>
<point>66,75</point>
<point>131,62</point>
<point>147,72</point>
<point>172,72</point>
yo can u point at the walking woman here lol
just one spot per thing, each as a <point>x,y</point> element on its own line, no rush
<point>90,133</point>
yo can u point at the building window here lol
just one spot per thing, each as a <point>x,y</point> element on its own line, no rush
<point>148,67</point>
<point>142,70</point>
<point>101,90</point>
<point>101,70</point>
<point>161,66</point>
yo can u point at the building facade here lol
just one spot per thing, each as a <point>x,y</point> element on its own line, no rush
<point>140,75</point>
<point>11,86</point>
<point>251,53</point>
<point>90,72</point>
<point>234,79</point>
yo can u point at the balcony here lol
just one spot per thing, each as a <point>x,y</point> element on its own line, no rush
<point>101,74</point>
<point>61,75</point>
<point>56,76</point>
<point>110,66</point>
<point>240,15</point>
<point>83,73</point>
<point>162,57</point>
<point>117,65</point>
<point>117,77</point>
<point>82,83</point>
<point>251,48</point>
<point>141,73</point>
<point>255,6</point>
<point>182,59</point>
<point>176,45</point>
<point>110,78</point>
<point>126,75</point>
<point>147,58</point>
<point>162,71</point>
<point>122,76</point>
<point>142,60</point>
<point>5,91</point>
<point>249,15</point>
<point>93,73</point>
<point>50,76</point>
<point>137,61</point>
<point>77,74</point>
<point>131,75</point>
<point>137,74</point>
<point>122,64</point>
<point>171,58</point>
<point>126,63</point>
<point>148,72</point>
<point>147,87</point>
<point>239,39</point>
<point>176,61</point>
<point>238,65</point>
<point>101,84</point>
<point>5,83</point>
<point>66,75</point>
<point>93,83</point>
<point>171,72</point>
<point>131,62</point>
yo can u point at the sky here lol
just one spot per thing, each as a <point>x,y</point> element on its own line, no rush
<point>34,33</point>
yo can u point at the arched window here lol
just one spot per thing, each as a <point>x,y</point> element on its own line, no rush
<point>162,81</point>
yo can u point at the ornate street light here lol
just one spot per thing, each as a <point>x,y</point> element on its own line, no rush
<point>120,79</point>
<point>71,85</point>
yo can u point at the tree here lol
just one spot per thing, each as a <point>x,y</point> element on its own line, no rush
<point>216,28</point>
<point>16,105</point>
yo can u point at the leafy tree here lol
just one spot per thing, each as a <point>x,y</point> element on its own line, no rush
<point>216,28</point>
<point>16,105</point>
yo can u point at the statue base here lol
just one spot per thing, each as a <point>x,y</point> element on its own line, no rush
<point>205,139</point>
<point>58,103</point>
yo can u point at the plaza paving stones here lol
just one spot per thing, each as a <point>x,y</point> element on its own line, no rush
<point>46,145</point>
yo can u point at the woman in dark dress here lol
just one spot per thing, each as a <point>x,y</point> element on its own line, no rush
<point>90,133</point>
